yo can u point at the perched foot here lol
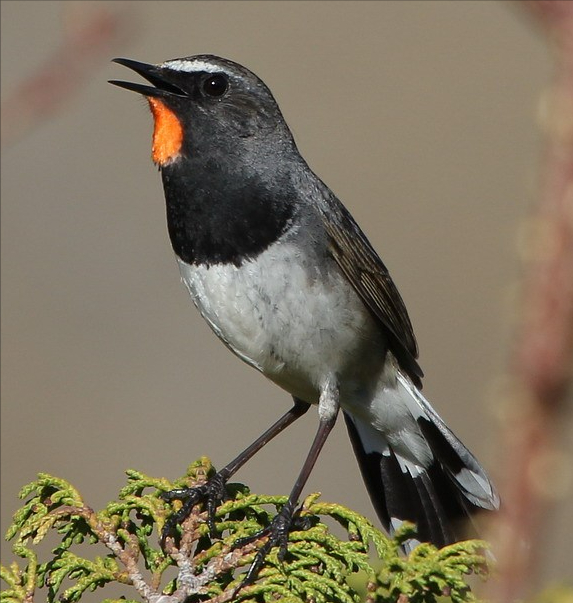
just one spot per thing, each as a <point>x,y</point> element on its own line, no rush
<point>212,492</point>
<point>277,531</point>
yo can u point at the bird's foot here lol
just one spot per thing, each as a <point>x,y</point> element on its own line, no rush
<point>277,532</point>
<point>212,493</point>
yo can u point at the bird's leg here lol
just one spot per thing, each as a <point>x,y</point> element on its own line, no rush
<point>213,491</point>
<point>279,528</point>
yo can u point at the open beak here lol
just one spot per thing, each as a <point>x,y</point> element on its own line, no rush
<point>158,76</point>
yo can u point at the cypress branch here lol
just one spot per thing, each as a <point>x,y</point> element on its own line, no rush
<point>320,567</point>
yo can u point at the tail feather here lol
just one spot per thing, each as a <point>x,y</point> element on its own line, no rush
<point>438,496</point>
<point>456,460</point>
<point>435,520</point>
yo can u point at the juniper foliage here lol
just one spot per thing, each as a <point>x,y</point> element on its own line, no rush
<point>320,567</point>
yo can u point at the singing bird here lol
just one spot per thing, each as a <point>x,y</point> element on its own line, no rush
<point>287,280</point>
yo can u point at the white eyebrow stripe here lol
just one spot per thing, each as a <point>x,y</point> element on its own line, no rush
<point>195,65</point>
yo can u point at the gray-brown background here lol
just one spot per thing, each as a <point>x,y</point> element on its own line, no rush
<point>419,115</point>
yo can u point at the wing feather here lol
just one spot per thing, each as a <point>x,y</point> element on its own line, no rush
<point>370,278</point>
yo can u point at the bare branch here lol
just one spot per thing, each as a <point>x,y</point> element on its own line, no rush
<point>542,359</point>
<point>91,30</point>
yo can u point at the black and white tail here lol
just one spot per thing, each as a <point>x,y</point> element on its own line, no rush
<point>439,495</point>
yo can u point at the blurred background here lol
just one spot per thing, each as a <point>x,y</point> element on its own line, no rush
<point>420,115</point>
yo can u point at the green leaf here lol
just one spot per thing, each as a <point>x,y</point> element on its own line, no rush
<point>319,566</point>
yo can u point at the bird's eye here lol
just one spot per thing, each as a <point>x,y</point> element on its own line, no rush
<point>216,85</point>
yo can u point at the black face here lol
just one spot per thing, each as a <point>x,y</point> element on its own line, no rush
<point>228,187</point>
<point>212,93</point>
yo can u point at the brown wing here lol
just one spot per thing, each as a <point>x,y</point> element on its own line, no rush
<point>371,280</point>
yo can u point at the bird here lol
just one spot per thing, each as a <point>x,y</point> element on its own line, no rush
<point>288,281</point>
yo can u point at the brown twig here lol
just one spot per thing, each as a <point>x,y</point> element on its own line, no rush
<point>91,30</point>
<point>542,359</point>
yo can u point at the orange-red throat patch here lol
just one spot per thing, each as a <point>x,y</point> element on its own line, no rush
<point>167,133</point>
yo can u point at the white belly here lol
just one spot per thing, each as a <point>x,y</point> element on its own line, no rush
<point>296,326</point>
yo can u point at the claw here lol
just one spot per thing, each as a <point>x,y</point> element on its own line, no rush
<point>213,492</point>
<point>175,494</point>
<point>277,531</point>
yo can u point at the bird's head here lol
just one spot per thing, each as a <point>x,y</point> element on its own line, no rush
<point>209,102</point>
